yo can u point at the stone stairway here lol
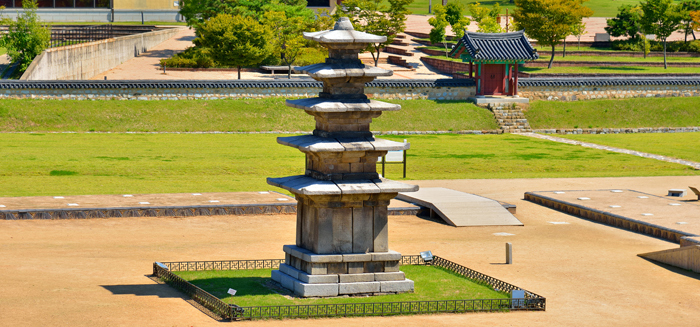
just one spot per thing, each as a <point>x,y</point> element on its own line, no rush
<point>511,119</point>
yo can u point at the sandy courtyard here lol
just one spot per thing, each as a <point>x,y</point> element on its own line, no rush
<point>94,272</point>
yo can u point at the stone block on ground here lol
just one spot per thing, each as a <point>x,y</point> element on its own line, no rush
<point>277,275</point>
<point>289,270</point>
<point>317,279</point>
<point>356,278</point>
<point>308,290</point>
<point>386,256</point>
<point>389,276</point>
<point>359,288</point>
<point>397,286</point>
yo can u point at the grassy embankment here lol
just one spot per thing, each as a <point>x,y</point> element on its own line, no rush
<point>79,163</point>
<point>678,145</point>
<point>431,283</point>
<point>83,163</point>
<point>628,113</point>
<point>220,115</point>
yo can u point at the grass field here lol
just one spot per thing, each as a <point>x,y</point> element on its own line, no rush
<point>629,70</point>
<point>545,57</point>
<point>678,145</point>
<point>637,112</point>
<point>74,164</point>
<point>220,115</point>
<point>431,283</point>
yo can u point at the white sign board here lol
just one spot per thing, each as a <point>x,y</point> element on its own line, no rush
<point>231,291</point>
<point>394,156</point>
<point>518,299</point>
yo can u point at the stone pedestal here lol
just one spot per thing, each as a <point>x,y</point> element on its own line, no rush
<point>342,245</point>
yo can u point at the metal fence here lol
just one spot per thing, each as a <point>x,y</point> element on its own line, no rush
<point>75,35</point>
<point>164,270</point>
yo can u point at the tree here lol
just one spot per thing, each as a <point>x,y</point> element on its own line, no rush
<point>578,30</point>
<point>486,19</point>
<point>549,21</point>
<point>438,22</point>
<point>687,7</point>
<point>457,20</point>
<point>375,17</point>
<point>695,16</point>
<point>286,36</point>
<point>661,18</point>
<point>25,38</point>
<point>197,12</point>
<point>628,22</point>
<point>234,40</point>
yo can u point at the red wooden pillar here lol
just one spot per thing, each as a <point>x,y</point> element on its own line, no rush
<point>471,69</point>
<point>515,80</point>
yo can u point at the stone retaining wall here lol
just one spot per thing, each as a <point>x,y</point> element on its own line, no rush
<point>84,61</point>
<point>576,93</point>
<point>399,93</point>
<point>447,67</point>
<point>618,130</point>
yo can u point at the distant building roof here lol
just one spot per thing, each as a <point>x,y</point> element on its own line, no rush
<point>485,47</point>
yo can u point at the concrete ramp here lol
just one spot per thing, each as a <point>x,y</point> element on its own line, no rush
<point>461,209</point>
<point>687,257</point>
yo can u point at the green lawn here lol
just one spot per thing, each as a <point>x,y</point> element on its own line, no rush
<point>637,112</point>
<point>678,145</point>
<point>630,70</point>
<point>221,115</point>
<point>545,57</point>
<point>80,163</point>
<point>431,283</point>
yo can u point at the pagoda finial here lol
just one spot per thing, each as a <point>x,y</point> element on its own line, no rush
<point>343,24</point>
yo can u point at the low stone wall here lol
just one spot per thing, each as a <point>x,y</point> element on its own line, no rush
<point>83,61</point>
<point>617,130</point>
<point>447,67</point>
<point>576,89</point>
<point>609,64</point>
<point>446,89</point>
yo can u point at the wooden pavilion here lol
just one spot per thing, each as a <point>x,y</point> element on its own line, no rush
<point>496,57</point>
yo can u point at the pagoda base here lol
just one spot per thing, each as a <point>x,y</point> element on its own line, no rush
<point>325,275</point>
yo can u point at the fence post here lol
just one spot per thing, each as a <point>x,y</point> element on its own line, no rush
<point>509,253</point>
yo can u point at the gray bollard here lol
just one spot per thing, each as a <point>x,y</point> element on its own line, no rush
<point>509,253</point>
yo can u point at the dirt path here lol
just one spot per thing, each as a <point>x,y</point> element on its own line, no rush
<point>93,272</point>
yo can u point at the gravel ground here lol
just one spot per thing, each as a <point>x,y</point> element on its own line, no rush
<point>94,271</point>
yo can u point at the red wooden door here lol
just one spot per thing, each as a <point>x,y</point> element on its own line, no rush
<point>493,79</point>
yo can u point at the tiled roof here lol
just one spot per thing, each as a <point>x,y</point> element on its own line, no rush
<point>609,81</point>
<point>512,46</point>
<point>220,84</point>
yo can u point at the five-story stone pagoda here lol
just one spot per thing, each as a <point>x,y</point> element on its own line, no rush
<point>342,236</point>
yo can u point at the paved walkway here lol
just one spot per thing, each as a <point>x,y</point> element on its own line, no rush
<point>147,66</point>
<point>695,165</point>
<point>419,23</point>
<point>461,209</point>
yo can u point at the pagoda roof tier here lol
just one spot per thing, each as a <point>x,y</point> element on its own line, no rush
<point>495,47</point>
<point>311,143</point>
<point>305,185</point>
<point>342,105</point>
<point>343,32</point>
<point>350,69</point>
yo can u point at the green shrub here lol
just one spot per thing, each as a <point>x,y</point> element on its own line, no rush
<point>311,56</point>
<point>190,58</point>
<point>694,46</point>
<point>625,45</point>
